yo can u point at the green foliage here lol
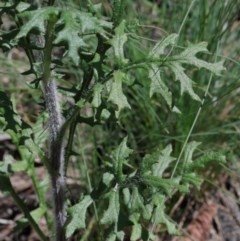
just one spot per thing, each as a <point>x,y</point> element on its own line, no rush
<point>174,63</point>
<point>37,20</point>
<point>116,94</point>
<point>76,25</point>
<point>118,41</point>
<point>78,215</point>
<point>129,188</point>
<point>111,214</point>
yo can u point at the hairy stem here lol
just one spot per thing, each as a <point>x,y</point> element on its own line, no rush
<point>56,148</point>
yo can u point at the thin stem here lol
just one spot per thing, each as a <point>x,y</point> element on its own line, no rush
<point>70,141</point>
<point>89,182</point>
<point>88,230</point>
<point>27,214</point>
<point>186,16</point>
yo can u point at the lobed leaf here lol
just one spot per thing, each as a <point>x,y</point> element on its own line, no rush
<point>107,178</point>
<point>158,86</point>
<point>174,63</point>
<point>162,218</point>
<point>110,216</point>
<point>190,148</point>
<point>37,20</point>
<point>157,162</point>
<point>116,95</point>
<point>136,202</point>
<point>77,25</point>
<point>163,161</point>
<point>118,42</point>
<point>167,185</point>
<point>160,46</point>
<point>122,151</point>
<point>113,236</point>
<point>38,213</point>
<point>137,228</point>
<point>192,179</point>
<point>188,57</point>
<point>78,215</point>
<point>97,97</point>
<point>185,81</point>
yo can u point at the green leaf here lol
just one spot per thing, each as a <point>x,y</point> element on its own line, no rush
<point>107,178</point>
<point>163,161</point>
<point>116,235</point>
<point>10,121</point>
<point>22,6</point>
<point>206,159</point>
<point>120,235</point>
<point>147,212</point>
<point>110,216</point>
<point>188,57</point>
<point>20,166</point>
<point>37,20</point>
<point>158,86</point>
<point>157,162</point>
<point>192,178</point>
<point>118,42</point>
<point>175,62</point>
<point>167,185</point>
<point>112,237</point>
<point>97,97</point>
<point>116,95</point>
<point>119,156</point>
<point>78,213</point>
<point>162,218</point>
<point>4,167</point>
<point>136,232</point>
<point>137,227</point>
<point>188,153</point>
<point>126,196</point>
<point>78,24</point>
<point>185,81</point>
<point>122,151</point>
<point>136,201</point>
<point>191,167</point>
<point>38,213</point>
<point>160,46</point>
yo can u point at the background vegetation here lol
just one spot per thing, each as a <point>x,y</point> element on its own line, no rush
<point>149,125</point>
